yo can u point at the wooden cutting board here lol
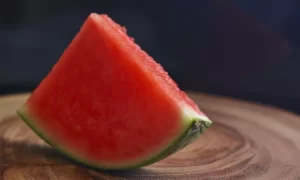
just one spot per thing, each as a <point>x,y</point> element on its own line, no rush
<point>247,141</point>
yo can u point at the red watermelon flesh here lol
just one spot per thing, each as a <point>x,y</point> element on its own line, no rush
<point>108,104</point>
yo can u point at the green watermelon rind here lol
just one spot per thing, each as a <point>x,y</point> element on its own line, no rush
<point>195,126</point>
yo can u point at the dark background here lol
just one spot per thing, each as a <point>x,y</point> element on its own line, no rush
<point>241,48</point>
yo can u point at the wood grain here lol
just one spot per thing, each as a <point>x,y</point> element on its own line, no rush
<point>247,141</point>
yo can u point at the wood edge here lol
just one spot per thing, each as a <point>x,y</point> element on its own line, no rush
<point>14,95</point>
<point>244,102</point>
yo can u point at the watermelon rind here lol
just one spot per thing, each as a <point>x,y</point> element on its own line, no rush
<point>194,126</point>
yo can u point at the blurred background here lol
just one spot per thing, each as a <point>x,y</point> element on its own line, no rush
<point>246,49</point>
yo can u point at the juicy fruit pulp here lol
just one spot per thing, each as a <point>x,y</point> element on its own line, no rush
<point>108,104</point>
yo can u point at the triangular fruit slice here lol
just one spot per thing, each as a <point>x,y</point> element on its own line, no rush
<point>107,104</point>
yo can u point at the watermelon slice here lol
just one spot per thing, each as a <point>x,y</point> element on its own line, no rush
<point>107,104</point>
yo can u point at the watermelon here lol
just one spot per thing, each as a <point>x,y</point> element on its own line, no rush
<point>107,104</point>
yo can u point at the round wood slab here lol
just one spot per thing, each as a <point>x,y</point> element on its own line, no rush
<point>247,141</point>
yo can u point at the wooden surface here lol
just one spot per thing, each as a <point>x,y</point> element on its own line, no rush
<point>247,141</point>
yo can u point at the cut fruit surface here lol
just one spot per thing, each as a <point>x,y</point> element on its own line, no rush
<point>108,104</point>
